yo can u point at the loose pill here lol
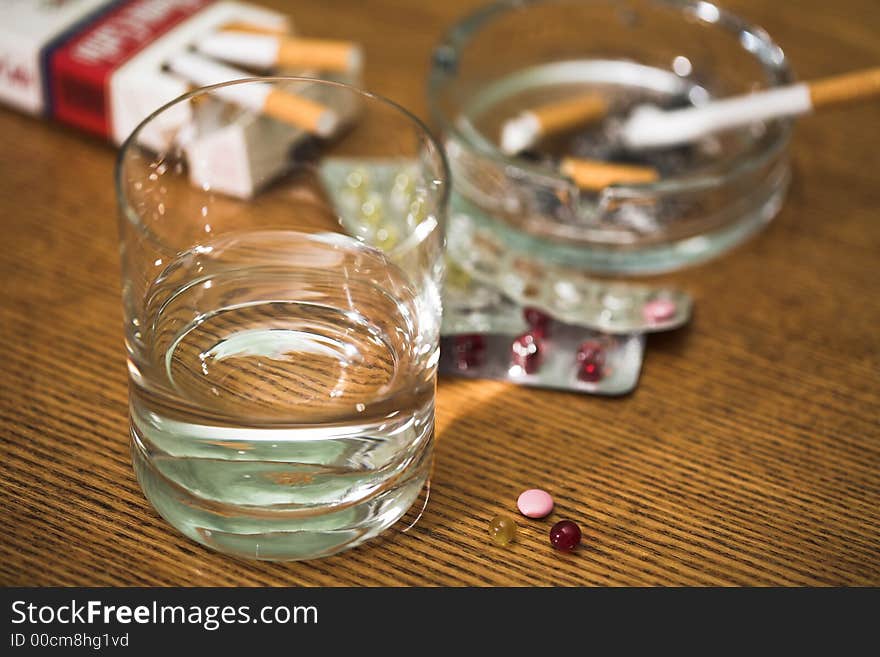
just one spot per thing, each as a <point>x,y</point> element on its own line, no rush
<point>538,321</point>
<point>502,530</point>
<point>535,503</point>
<point>565,535</point>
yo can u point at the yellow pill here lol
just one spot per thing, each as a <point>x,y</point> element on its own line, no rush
<point>455,275</point>
<point>502,530</point>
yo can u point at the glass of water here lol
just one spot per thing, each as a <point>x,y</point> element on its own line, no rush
<point>282,313</point>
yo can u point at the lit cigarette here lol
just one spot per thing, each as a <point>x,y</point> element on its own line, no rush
<point>526,129</point>
<point>594,175</point>
<point>266,51</point>
<point>257,96</point>
<point>651,127</point>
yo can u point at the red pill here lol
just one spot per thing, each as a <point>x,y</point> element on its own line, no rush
<point>526,353</point>
<point>539,322</point>
<point>469,350</point>
<point>591,361</point>
<point>565,535</point>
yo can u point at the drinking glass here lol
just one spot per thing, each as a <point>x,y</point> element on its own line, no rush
<point>282,313</point>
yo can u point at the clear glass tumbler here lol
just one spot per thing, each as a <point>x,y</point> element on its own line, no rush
<point>282,313</point>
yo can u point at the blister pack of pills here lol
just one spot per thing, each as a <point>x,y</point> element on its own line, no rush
<point>488,336</point>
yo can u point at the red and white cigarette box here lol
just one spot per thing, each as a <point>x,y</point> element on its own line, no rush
<point>97,65</point>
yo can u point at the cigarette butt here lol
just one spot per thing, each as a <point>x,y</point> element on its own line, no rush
<point>595,175</point>
<point>262,97</point>
<point>527,128</point>
<point>267,51</point>
<point>254,28</point>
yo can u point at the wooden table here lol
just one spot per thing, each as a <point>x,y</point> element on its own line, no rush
<point>749,454</point>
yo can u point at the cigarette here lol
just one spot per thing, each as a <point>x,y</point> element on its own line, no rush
<point>254,28</point>
<point>650,127</point>
<point>259,97</point>
<point>527,128</point>
<point>594,175</point>
<point>267,51</point>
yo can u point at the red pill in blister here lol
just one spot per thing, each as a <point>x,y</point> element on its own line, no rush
<point>525,353</point>
<point>591,361</point>
<point>469,350</point>
<point>539,322</point>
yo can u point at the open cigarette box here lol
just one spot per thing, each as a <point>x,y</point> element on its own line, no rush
<point>98,65</point>
<point>103,66</point>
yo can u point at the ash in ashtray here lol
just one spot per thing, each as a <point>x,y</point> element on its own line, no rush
<point>602,142</point>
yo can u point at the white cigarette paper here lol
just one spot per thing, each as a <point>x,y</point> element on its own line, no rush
<point>650,127</point>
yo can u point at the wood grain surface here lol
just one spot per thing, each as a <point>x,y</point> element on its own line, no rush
<point>749,454</point>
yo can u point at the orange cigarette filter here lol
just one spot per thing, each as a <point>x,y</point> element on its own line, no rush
<point>849,87</point>
<point>594,175</point>
<point>301,112</point>
<point>570,113</point>
<point>253,28</point>
<point>322,54</point>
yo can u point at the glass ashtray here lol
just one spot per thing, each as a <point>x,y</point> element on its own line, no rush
<point>515,54</point>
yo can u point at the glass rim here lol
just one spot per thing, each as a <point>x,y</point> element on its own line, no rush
<point>463,32</point>
<point>128,212</point>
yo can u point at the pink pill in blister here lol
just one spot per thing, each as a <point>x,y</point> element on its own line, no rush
<point>535,503</point>
<point>659,310</point>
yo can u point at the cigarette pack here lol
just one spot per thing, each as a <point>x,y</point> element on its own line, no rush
<point>97,65</point>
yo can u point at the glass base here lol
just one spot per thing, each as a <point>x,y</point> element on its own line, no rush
<point>266,534</point>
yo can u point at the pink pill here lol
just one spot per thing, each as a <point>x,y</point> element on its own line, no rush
<point>535,503</point>
<point>659,310</point>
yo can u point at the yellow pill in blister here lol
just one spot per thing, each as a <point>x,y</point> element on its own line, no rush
<point>386,237</point>
<point>456,276</point>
